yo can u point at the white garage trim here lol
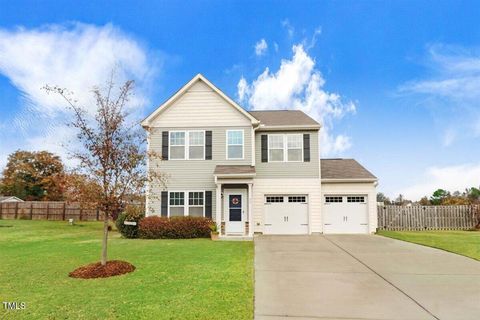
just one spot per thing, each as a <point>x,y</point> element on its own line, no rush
<point>286,214</point>
<point>310,187</point>
<point>346,213</point>
<point>359,188</point>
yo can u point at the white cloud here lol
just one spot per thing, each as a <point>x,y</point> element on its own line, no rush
<point>261,47</point>
<point>275,46</point>
<point>288,26</point>
<point>453,87</point>
<point>299,85</point>
<point>75,56</point>
<point>451,178</point>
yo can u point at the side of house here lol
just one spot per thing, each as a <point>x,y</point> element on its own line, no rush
<point>250,172</point>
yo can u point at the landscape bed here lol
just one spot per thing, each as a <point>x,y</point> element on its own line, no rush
<point>173,279</point>
<point>466,243</point>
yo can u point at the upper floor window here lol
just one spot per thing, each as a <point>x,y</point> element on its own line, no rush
<point>177,145</point>
<point>234,144</point>
<point>187,145</point>
<point>275,147</point>
<point>196,145</point>
<point>294,147</point>
<point>285,148</point>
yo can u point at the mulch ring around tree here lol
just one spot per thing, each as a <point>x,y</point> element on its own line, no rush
<point>96,270</point>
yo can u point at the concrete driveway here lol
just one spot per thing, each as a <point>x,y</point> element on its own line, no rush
<point>361,277</point>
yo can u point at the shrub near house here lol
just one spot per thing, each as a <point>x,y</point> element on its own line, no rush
<point>155,227</point>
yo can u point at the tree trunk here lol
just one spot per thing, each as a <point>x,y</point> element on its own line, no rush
<point>105,239</point>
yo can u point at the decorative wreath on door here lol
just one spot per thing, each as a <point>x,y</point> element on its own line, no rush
<point>235,201</point>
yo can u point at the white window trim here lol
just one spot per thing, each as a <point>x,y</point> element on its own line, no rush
<point>170,145</point>
<point>176,206</point>
<point>186,145</point>
<point>185,206</point>
<point>187,150</point>
<point>243,144</point>
<point>268,147</point>
<point>285,147</point>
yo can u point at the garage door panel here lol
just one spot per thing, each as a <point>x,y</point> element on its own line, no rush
<point>345,214</point>
<point>281,216</point>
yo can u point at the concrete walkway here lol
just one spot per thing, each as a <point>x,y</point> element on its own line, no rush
<point>361,277</point>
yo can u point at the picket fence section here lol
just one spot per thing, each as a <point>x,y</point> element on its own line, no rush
<point>416,218</point>
<point>48,210</point>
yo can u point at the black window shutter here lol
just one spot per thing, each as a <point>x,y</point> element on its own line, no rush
<point>208,145</point>
<point>264,148</point>
<point>306,147</point>
<point>164,145</point>
<point>164,204</point>
<point>208,204</point>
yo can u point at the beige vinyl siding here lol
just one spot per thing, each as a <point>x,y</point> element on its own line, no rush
<point>194,174</point>
<point>310,187</point>
<point>200,106</point>
<point>288,169</point>
<point>361,188</point>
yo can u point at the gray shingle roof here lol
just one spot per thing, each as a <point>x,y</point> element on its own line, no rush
<point>284,118</point>
<point>233,169</point>
<point>344,169</point>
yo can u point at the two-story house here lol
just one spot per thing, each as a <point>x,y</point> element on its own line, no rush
<point>252,171</point>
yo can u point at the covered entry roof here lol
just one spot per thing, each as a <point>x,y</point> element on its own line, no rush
<point>234,170</point>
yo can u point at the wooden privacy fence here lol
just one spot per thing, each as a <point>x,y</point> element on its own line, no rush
<point>427,217</point>
<point>48,210</point>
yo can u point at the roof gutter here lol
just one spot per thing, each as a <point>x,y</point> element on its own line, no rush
<point>289,127</point>
<point>354,180</point>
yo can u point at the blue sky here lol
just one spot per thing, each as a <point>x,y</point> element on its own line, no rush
<point>397,84</point>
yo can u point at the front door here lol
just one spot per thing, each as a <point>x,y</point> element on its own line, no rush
<point>235,211</point>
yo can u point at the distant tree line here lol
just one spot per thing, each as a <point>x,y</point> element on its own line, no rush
<point>438,197</point>
<point>41,176</point>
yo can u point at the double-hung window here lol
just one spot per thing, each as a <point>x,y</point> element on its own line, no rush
<point>196,145</point>
<point>294,147</point>
<point>285,148</point>
<point>186,203</point>
<point>177,204</point>
<point>177,145</point>
<point>187,145</point>
<point>234,144</point>
<point>195,203</point>
<point>276,148</point>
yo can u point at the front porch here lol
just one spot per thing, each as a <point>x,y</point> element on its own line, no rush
<point>234,214</point>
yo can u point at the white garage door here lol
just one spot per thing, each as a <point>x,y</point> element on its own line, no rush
<point>286,214</point>
<point>345,214</point>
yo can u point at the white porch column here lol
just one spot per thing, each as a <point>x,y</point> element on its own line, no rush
<point>250,210</point>
<point>218,206</point>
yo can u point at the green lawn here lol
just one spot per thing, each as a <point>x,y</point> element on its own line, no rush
<point>466,243</point>
<point>174,279</point>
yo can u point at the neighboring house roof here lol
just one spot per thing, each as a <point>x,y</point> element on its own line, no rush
<point>234,170</point>
<point>344,169</point>
<point>179,93</point>
<point>285,118</point>
<point>10,199</point>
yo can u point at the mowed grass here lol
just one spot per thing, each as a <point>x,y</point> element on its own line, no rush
<point>466,243</point>
<point>174,279</point>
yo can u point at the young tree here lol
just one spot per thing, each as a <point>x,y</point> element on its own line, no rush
<point>112,153</point>
<point>33,176</point>
<point>439,196</point>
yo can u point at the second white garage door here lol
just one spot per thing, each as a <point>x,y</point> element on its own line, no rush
<point>345,214</point>
<point>286,214</point>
